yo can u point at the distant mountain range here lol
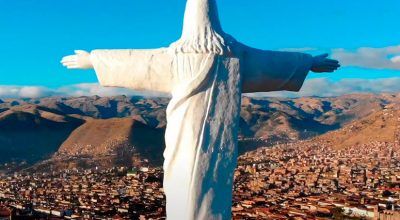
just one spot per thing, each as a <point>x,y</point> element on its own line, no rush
<point>107,131</point>
<point>379,130</point>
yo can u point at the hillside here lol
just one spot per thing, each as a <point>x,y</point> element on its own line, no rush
<point>381,126</point>
<point>34,129</point>
<point>110,142</point>
<point>31,133</point>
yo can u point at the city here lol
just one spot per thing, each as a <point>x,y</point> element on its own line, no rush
<point>308,180</point>
<point>299,180</point>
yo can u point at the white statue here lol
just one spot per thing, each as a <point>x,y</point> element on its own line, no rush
<point>205,72</point>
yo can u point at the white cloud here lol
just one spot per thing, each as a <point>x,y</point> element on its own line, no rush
<point>35,92</point>
<point>84,89</point>
<point>25,91</point>
<point>8,91</point>
<point>89,89</point>
<point>325,88</point>
<point>368,57</point>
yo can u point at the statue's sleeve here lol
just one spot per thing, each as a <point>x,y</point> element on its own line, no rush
<point>135,69</point>
<point>264,71</point>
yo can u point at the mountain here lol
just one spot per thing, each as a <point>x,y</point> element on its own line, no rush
<point>267,121</point>
<point>256,111</point>
<point>34,129</point>
<point>110,142</point>
<point>31,133</point>
<point>377,131</point>
<point>381,126</point>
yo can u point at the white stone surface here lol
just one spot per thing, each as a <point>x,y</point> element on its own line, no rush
<point>205,72</point>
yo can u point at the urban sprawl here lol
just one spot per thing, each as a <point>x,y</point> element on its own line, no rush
<point>302,180</point>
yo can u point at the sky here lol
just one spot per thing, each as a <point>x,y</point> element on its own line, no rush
<point>35,34</point>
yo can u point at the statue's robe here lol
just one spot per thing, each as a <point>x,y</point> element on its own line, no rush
<point>203,114</point>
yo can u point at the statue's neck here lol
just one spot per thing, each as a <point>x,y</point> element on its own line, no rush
<point>201,15</point>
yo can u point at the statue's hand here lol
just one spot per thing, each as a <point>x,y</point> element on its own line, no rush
<point>322,64</point>
<point>81,60</point>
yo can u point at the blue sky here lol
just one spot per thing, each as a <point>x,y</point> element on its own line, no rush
<point>35,34</point>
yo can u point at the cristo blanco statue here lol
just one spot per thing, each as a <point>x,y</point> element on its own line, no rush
<point>205,72</point>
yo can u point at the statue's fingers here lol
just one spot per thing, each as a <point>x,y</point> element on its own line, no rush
<point>332,68</point>
<point>327,68</point>
<point>318,70</point>
<point>68,58</point>
<point>333,65</point>
<point>331,61</point>
<point>69,63</point>
<point>73,67</point>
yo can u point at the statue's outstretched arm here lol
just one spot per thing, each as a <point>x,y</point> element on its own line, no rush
<point>134,69</point>
<point>265,70</point>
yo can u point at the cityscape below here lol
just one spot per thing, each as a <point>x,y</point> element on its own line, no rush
<point>303,181</point>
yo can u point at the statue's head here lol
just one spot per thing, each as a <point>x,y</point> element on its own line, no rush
<point>202,32</point>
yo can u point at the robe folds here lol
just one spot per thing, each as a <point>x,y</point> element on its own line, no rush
<point>203,114</point>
